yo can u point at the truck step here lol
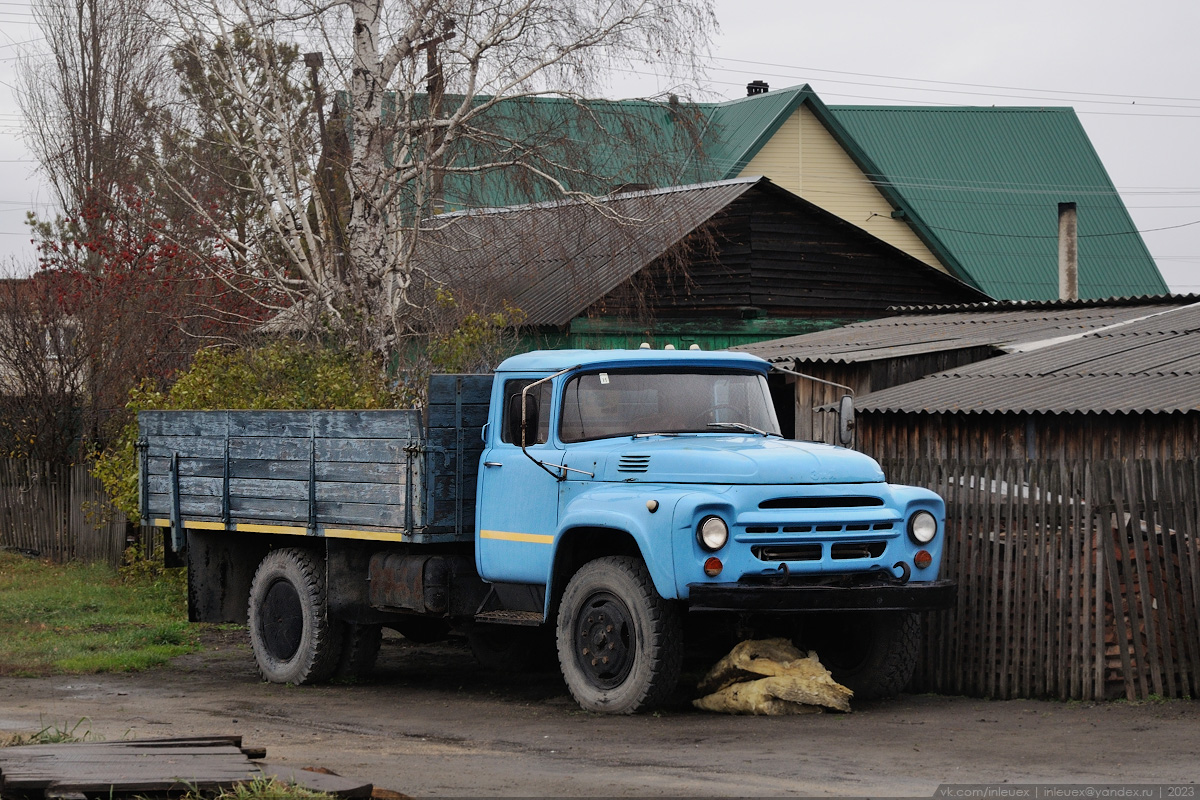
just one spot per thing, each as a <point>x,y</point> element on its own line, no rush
<point>506,617</point>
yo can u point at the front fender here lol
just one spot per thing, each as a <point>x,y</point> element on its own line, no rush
<point>624,507</point>
<point>915,498</point>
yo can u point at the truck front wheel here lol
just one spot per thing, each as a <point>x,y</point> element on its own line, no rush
<point>620,644</point>
<point>293,639</point>
<point>874,654</point>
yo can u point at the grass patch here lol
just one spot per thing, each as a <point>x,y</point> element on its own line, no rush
<point>52,734</point>
<point>267,789</point>
<point>87,618</point>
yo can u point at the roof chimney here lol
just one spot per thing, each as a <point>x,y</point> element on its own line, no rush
<point>757,87</point>
<point>1068,252</point>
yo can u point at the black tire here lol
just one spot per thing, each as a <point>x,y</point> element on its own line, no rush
<point>360,649</point>
<point>620,644</point>
<point>874,654</point>
<point>293,639</point>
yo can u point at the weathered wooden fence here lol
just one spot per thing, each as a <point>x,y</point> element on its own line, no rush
<point>1076,580</point>
<point>59,513</point>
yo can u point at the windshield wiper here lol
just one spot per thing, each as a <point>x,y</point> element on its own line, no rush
<point>655,433</point>
<point>740,426</point>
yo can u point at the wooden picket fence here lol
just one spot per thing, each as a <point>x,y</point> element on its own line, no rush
<point>1076,580</point>
<point>60,513</point>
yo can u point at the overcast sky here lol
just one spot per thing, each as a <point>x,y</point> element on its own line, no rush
<point>1130,71</point>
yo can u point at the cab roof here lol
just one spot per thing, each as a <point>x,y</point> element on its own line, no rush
<point>548,361</point>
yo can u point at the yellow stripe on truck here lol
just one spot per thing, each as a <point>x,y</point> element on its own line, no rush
<point>506,536</point>
<point>288,529</point>
<point>291,530</point>
<point>195,524</point>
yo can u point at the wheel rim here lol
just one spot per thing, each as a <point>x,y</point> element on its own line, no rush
<point>282,620</point>
<point>605,640</point>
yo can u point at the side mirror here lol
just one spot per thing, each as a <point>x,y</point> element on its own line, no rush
<point>846,420</point>
<point>526,435</point>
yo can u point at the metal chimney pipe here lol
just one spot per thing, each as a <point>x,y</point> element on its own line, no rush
<point>1068,252</point>
<point>757,87</point>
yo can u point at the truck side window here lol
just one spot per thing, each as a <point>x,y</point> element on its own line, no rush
<point>510,431</point>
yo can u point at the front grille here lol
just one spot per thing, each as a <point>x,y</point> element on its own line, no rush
<point>821,502</point>
<point>795,552</point>
<point>633,464</point>
<point>832,527</point>
<point>845,550</point>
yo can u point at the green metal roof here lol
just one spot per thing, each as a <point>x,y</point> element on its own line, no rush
<point>986,184</point>
<point>980,186</point>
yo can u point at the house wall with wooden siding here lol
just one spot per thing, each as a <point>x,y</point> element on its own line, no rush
<point>803,157</point>
<point>991,437</point>
<point>778,258</point>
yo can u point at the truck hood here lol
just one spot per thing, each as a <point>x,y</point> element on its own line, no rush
<point>733,459</point>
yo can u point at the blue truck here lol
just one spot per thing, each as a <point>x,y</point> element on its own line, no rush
<point>620,499</point>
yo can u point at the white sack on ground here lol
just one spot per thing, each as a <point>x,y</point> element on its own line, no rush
<point>771,677</point>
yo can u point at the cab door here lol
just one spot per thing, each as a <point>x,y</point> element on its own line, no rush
<point>518,497</point>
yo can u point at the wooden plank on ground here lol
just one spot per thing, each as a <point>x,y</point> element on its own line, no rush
<point>216,763</point>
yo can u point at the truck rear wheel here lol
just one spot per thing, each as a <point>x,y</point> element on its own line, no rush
<point>874,654</point>
<point>293,638</point>
<point>620,644</point>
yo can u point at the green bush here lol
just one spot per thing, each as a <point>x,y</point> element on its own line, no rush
<point>277,376</point>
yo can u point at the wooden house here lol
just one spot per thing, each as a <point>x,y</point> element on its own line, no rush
<point>970,191</point>
<point>714,264</point>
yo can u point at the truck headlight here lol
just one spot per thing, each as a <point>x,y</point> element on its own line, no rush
<point>712,533</point>
<point>922,527</point>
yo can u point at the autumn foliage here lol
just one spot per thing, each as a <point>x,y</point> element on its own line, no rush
<point>126,292</point>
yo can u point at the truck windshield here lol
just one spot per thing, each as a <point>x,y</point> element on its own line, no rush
<point>627,402</point>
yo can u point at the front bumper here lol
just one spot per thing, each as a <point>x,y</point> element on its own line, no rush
<point>865,596</point>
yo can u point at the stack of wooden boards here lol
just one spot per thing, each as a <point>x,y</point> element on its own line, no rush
<point>150,766</point>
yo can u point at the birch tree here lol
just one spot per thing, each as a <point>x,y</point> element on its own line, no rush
<point>411,95</point>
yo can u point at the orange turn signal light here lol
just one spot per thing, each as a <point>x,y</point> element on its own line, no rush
<point>713,567</point>
<point>923,559</point>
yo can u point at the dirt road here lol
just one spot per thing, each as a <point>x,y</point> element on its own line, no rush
<point>432,723</point>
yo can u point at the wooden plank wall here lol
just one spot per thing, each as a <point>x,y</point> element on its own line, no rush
<point>1077,579</point>
<point>351,467</point>
<point>458,410</point>
<point>60,513</point>
<point>1039,436</point>
<point>784,257</point>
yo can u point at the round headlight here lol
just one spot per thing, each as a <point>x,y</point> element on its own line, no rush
<point>712,533</point>
<point>922,527</point>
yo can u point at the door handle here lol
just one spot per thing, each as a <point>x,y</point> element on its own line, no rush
<point>493,464</point>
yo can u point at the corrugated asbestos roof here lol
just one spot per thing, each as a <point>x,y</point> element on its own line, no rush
<point>553,260</point>
<point>998,325</point>
<point>1149,365</point>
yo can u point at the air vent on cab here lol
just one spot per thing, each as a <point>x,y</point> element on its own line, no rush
<point>630,463</point>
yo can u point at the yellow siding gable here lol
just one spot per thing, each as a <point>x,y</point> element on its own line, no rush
<point>804,158</point>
